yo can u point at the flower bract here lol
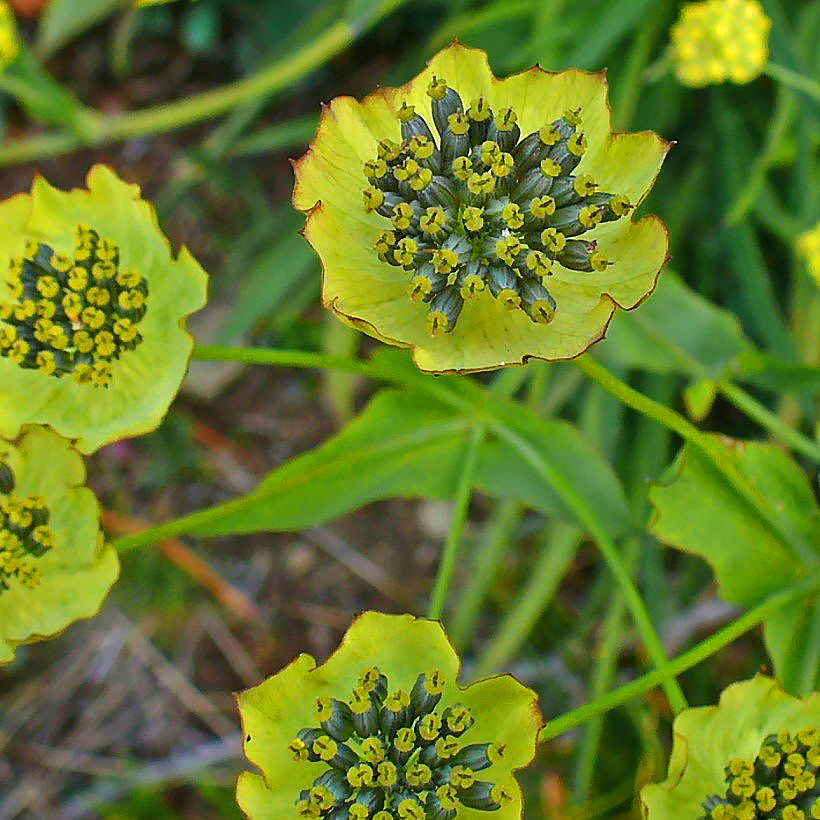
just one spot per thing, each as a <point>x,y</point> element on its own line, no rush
<point>755,755</point>
<point>382,730</point>
<point>718,40</point>
<point>481,221</point>
<point>54,565</point>
<point>808,246</point>
<point>9,37</point>
<point>92,311</point>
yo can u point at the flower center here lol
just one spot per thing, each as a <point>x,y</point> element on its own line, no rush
<point>480,209</point>
<point>24,532</point>
<point>780,782</point>
<point>394,755</point>
<point>72,315</point>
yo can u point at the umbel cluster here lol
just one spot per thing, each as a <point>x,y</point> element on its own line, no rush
<point>24,532</point>
<point>392,754</point>
<point>781,782</point>
<point>72,315</point>
<point>480,208</point>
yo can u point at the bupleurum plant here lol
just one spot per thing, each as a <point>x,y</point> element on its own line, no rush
<point>719,40</point>
<point>382,731</point>
<point>756,755</point>
<point>92,312</point>
<point>54,564</point>
<point>481,221</point>
<point>9,38</point>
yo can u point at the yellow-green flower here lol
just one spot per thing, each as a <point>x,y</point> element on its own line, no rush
<point>755,755</point>
<point>9,37</point>
<point>808,246</point>
<point>481,221</point>
<point>382,730</point>
<point>719,40</point>
<point>54,565</point>
<point>92,312</point>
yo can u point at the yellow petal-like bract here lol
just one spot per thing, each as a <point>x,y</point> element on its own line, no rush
<point>753,755</point>
<point>54,564</point>
<point>481,221</point>
<point>383,730</point>
<point>92,312</point>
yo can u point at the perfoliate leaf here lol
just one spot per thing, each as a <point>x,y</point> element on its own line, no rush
<point>702,514</point>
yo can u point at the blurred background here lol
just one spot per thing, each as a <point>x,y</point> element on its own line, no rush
<point>131,715</point>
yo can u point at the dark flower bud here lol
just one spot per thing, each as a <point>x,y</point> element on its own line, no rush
<point>481,795</point>
<point>444,101</point>
<point>335,718</point>
<point>6,479</point>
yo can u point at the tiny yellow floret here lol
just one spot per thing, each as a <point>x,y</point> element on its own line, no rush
<point>808,247</point>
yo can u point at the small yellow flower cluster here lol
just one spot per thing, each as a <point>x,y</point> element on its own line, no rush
<point>808,246</point>
<point>24,534</point>
<point>719,40</point>
<point>9,39</point>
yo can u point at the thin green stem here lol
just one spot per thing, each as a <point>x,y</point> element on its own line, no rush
<point>559,546</point>
<point>287,358</point>
<point>278,75</point>
<point>449,555</point>
<point>610,552</point>
<point>574,500</point>
<point>699,653</point>
<point>793,79</point>
<point>606,661</point>
<point>709,446</point>
<point>183,525</point>
<point>770,421</point>
<point>497,540</point>
<point>737,395</point>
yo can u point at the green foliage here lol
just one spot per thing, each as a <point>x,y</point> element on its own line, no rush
<point>561,571</point>
<point>405,445</point>
<point>752,560</point>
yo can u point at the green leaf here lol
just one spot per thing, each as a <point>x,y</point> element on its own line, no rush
<point>43,97</point>
<point>63,20</point>
<point>700,513</point>
<point>405,445</point>
<point>772,373</point>
<point>676,331</point>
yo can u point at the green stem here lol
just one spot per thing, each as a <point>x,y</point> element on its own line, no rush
<point>559,546</point>
<point>287,358</point>
<point>589,520</point>
<point>794,79</point>
<point>770,421</point>
<point>737,395</point>
<point>606,661</point>
<point>462,503</point>
<point>708,445</point>
<point>574,501</point>
<point>497,540</point>
<point>207,104</point>
<point>703,650</point>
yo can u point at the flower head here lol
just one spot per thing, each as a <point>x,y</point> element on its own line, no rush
<point>54,566</point>
<point>9,37</point>
<point>481,221</point>
<point>382,730</point>
<point>92,308</point>
<point>757,754</point>
<point>718,40</point>
<point>808,246</point>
